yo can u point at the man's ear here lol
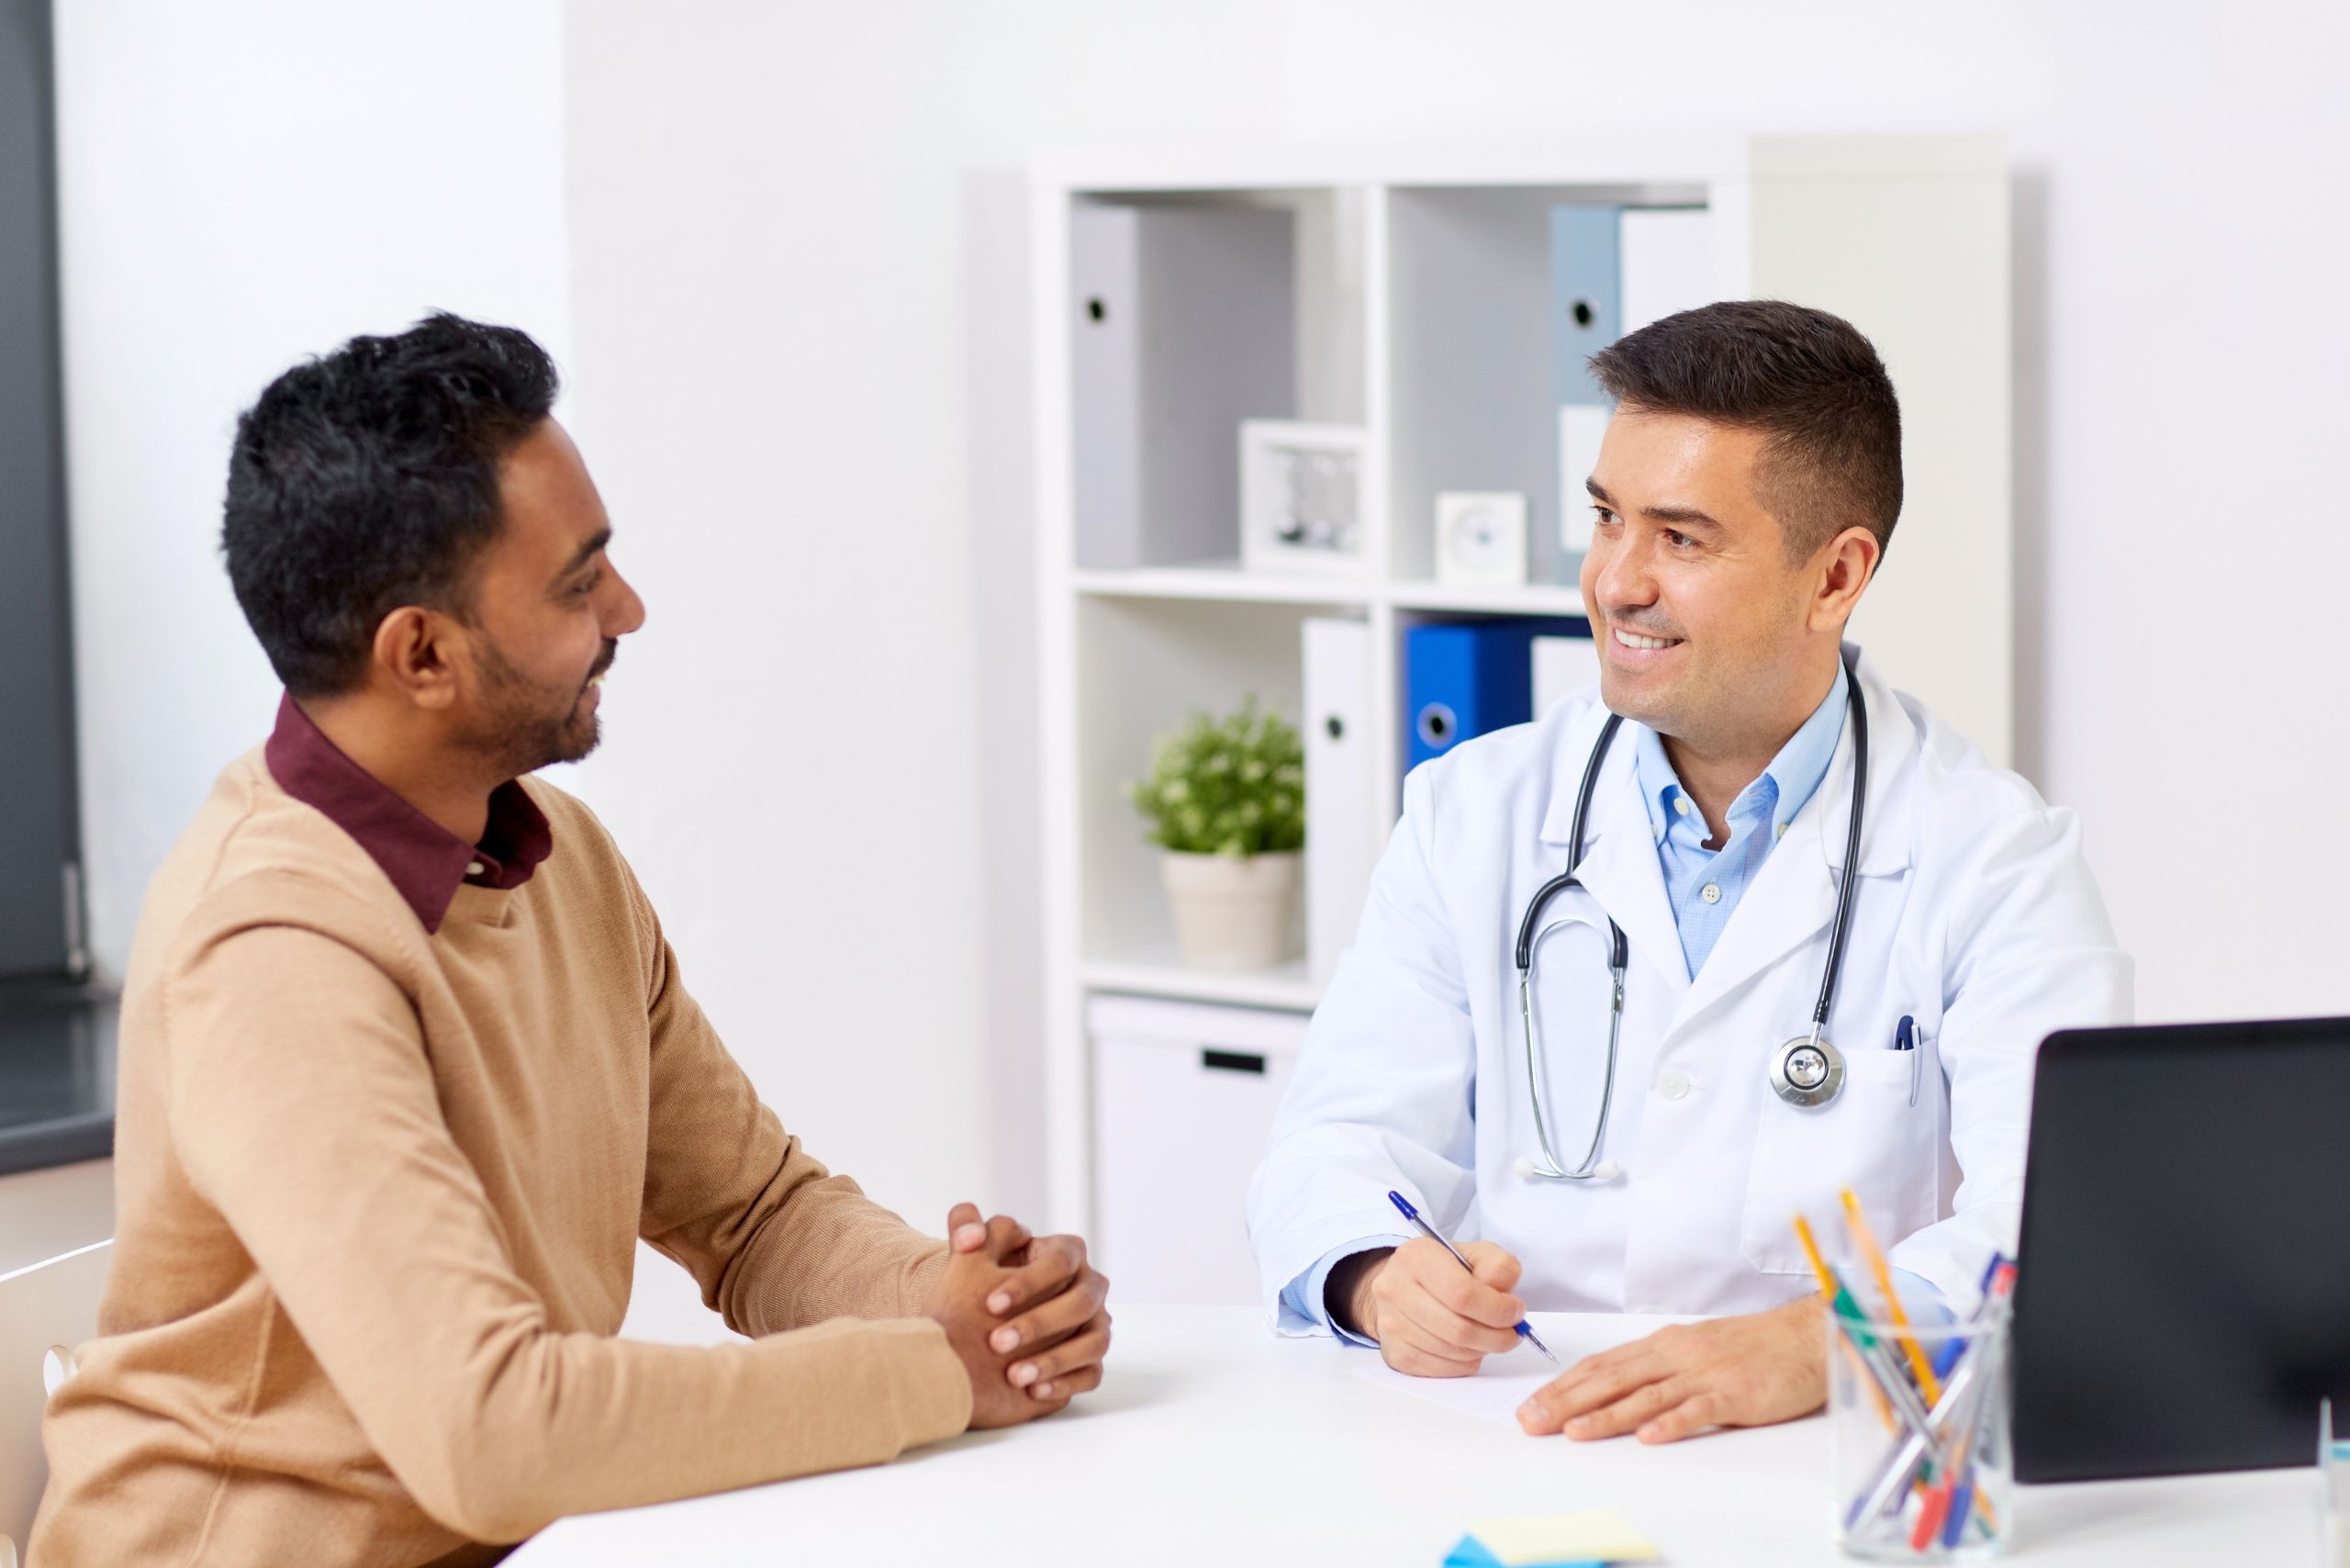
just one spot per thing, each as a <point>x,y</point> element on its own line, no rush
<point>419,652</point>
<point>1845,566</point>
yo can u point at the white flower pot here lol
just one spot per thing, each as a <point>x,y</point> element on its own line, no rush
<point>1233,911</point>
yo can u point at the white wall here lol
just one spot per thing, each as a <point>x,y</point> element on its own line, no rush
<point>799,280</point>
<point>240,187</point>
<point>796,318</point>
<point>802,319</point>
<point>2181,337</point>
<point>2181,340</point>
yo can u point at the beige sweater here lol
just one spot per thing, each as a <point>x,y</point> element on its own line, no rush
<point>379,1193</point>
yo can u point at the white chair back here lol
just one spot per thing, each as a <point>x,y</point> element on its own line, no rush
<point>45,1311</point>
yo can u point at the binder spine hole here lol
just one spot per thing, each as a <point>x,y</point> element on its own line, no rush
<point>1582,311</point>
<point>1095,311</point>
<point>1437,726</point>
<point>1232,1062</point>
<point>1336,726</point>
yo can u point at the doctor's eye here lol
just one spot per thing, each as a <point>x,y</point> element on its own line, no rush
<point>1603,516</point>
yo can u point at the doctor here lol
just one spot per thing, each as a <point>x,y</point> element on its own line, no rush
<point>1743,498</point>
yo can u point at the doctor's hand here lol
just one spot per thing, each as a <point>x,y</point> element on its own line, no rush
<point>1729,1372</point>
<point>1052,1328</point>
<point>1430,1317</point>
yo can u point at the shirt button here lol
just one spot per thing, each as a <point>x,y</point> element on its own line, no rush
<point>1672,1083</point>
<point>1783,830</point>
<point>1710,893</point>
<point>1681,805</point>
<point>476,868</point>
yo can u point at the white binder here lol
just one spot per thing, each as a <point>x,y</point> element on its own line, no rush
<point>1342,834</point>
<point>1561,666</point>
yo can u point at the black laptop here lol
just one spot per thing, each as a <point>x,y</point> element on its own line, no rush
<point>2183,1288</point>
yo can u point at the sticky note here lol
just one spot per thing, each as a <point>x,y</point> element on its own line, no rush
<point>1593,1536</point>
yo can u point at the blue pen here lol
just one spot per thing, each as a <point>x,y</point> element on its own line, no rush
<point>1525,1331</point>
<point>1904,1038</point>
<point>1952,1348</point>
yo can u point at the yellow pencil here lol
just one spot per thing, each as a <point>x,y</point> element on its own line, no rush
<point>1819,1263</point>
<point>1828,1295</point>
<point>1866,1241</point>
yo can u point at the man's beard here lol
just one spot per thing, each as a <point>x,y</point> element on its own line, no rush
<point>524,724</point>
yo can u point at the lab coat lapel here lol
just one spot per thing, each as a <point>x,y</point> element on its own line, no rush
<point>1794,896</point>
<point>1619,865</point>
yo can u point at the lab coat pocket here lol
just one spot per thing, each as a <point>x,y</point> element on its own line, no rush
<point>1870,1138</point>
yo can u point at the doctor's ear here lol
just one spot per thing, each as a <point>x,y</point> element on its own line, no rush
<point>1845,566</point>
<point>419,651</point>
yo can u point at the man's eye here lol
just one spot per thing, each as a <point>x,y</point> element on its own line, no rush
<point>587,586</point>
<point>1678,540</point>
<point>1603,516</point>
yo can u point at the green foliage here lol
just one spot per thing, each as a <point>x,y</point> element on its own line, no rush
<point>1231,786</point>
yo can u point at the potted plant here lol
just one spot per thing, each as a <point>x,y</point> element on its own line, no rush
<point>1226,800</point>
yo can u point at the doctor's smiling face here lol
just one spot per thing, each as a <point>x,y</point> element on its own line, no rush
<point>1740,501</point>
<point>1703,626</point>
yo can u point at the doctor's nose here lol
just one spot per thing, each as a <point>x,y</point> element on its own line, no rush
<point>1623,580</point>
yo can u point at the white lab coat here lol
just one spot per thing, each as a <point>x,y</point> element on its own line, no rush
<point>1975,914</point>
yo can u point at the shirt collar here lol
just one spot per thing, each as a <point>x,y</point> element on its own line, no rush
<point>1787,784</point>
<point>425,861</point>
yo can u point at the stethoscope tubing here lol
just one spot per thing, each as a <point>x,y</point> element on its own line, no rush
<point>1529,937</point>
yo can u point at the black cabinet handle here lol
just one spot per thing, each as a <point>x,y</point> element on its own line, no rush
<point>1232,1062</point>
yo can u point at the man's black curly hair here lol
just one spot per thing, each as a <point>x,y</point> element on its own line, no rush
<point>367,480</point>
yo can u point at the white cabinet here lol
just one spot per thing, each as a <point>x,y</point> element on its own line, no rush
<point>1183,1098</point>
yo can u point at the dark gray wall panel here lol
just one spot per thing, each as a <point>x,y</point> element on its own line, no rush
<point>38,826</point>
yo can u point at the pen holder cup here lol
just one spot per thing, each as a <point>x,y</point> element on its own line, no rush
<point>1922,1466</point>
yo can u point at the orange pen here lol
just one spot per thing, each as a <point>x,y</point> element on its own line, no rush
<point>1864,1240</point>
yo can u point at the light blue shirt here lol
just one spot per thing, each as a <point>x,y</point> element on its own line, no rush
<point>1703,886</point>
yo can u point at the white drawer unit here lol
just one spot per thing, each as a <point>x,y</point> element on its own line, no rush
<point>1184,1100</point>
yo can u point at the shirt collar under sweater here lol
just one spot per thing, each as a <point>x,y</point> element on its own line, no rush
<point>424,860</point>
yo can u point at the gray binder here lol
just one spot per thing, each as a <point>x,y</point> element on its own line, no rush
<point>1185,325</point>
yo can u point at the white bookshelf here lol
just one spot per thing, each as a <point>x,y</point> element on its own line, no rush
<point>1421,297</point>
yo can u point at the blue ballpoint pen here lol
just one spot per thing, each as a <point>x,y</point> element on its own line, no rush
<point>1524,1330</point>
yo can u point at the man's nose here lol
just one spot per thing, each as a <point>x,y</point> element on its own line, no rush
<point>627,613</point>
<point>1625,577</point>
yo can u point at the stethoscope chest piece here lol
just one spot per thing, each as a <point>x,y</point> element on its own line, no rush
<point>1807,1071</point>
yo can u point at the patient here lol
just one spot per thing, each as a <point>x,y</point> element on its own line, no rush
<point>407,1066</point>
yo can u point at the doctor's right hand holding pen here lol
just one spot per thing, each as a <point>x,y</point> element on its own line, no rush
<point>1430,1316</point>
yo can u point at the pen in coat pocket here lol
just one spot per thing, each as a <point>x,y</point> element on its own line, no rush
<point>1904,1038</point>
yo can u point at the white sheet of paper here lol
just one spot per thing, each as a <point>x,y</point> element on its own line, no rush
<point>1500,1386</point>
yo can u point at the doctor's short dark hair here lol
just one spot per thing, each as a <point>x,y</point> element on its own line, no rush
<point>365,480</point>
<point>1808,381</point>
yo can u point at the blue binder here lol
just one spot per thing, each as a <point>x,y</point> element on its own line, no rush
<point>1463,678</point>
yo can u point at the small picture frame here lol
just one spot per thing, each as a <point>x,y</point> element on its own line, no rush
<point>1300,498</point>
<point>1481,537</point>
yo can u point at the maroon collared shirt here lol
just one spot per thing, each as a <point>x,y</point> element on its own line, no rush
<point>425,861</point>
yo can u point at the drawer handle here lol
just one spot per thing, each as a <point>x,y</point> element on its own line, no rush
<point>1232,1062</point>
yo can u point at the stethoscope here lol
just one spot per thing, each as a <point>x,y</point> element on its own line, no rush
<point>1807,1072</point>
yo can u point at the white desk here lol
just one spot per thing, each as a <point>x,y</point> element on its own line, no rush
<point>1213,1443</point>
